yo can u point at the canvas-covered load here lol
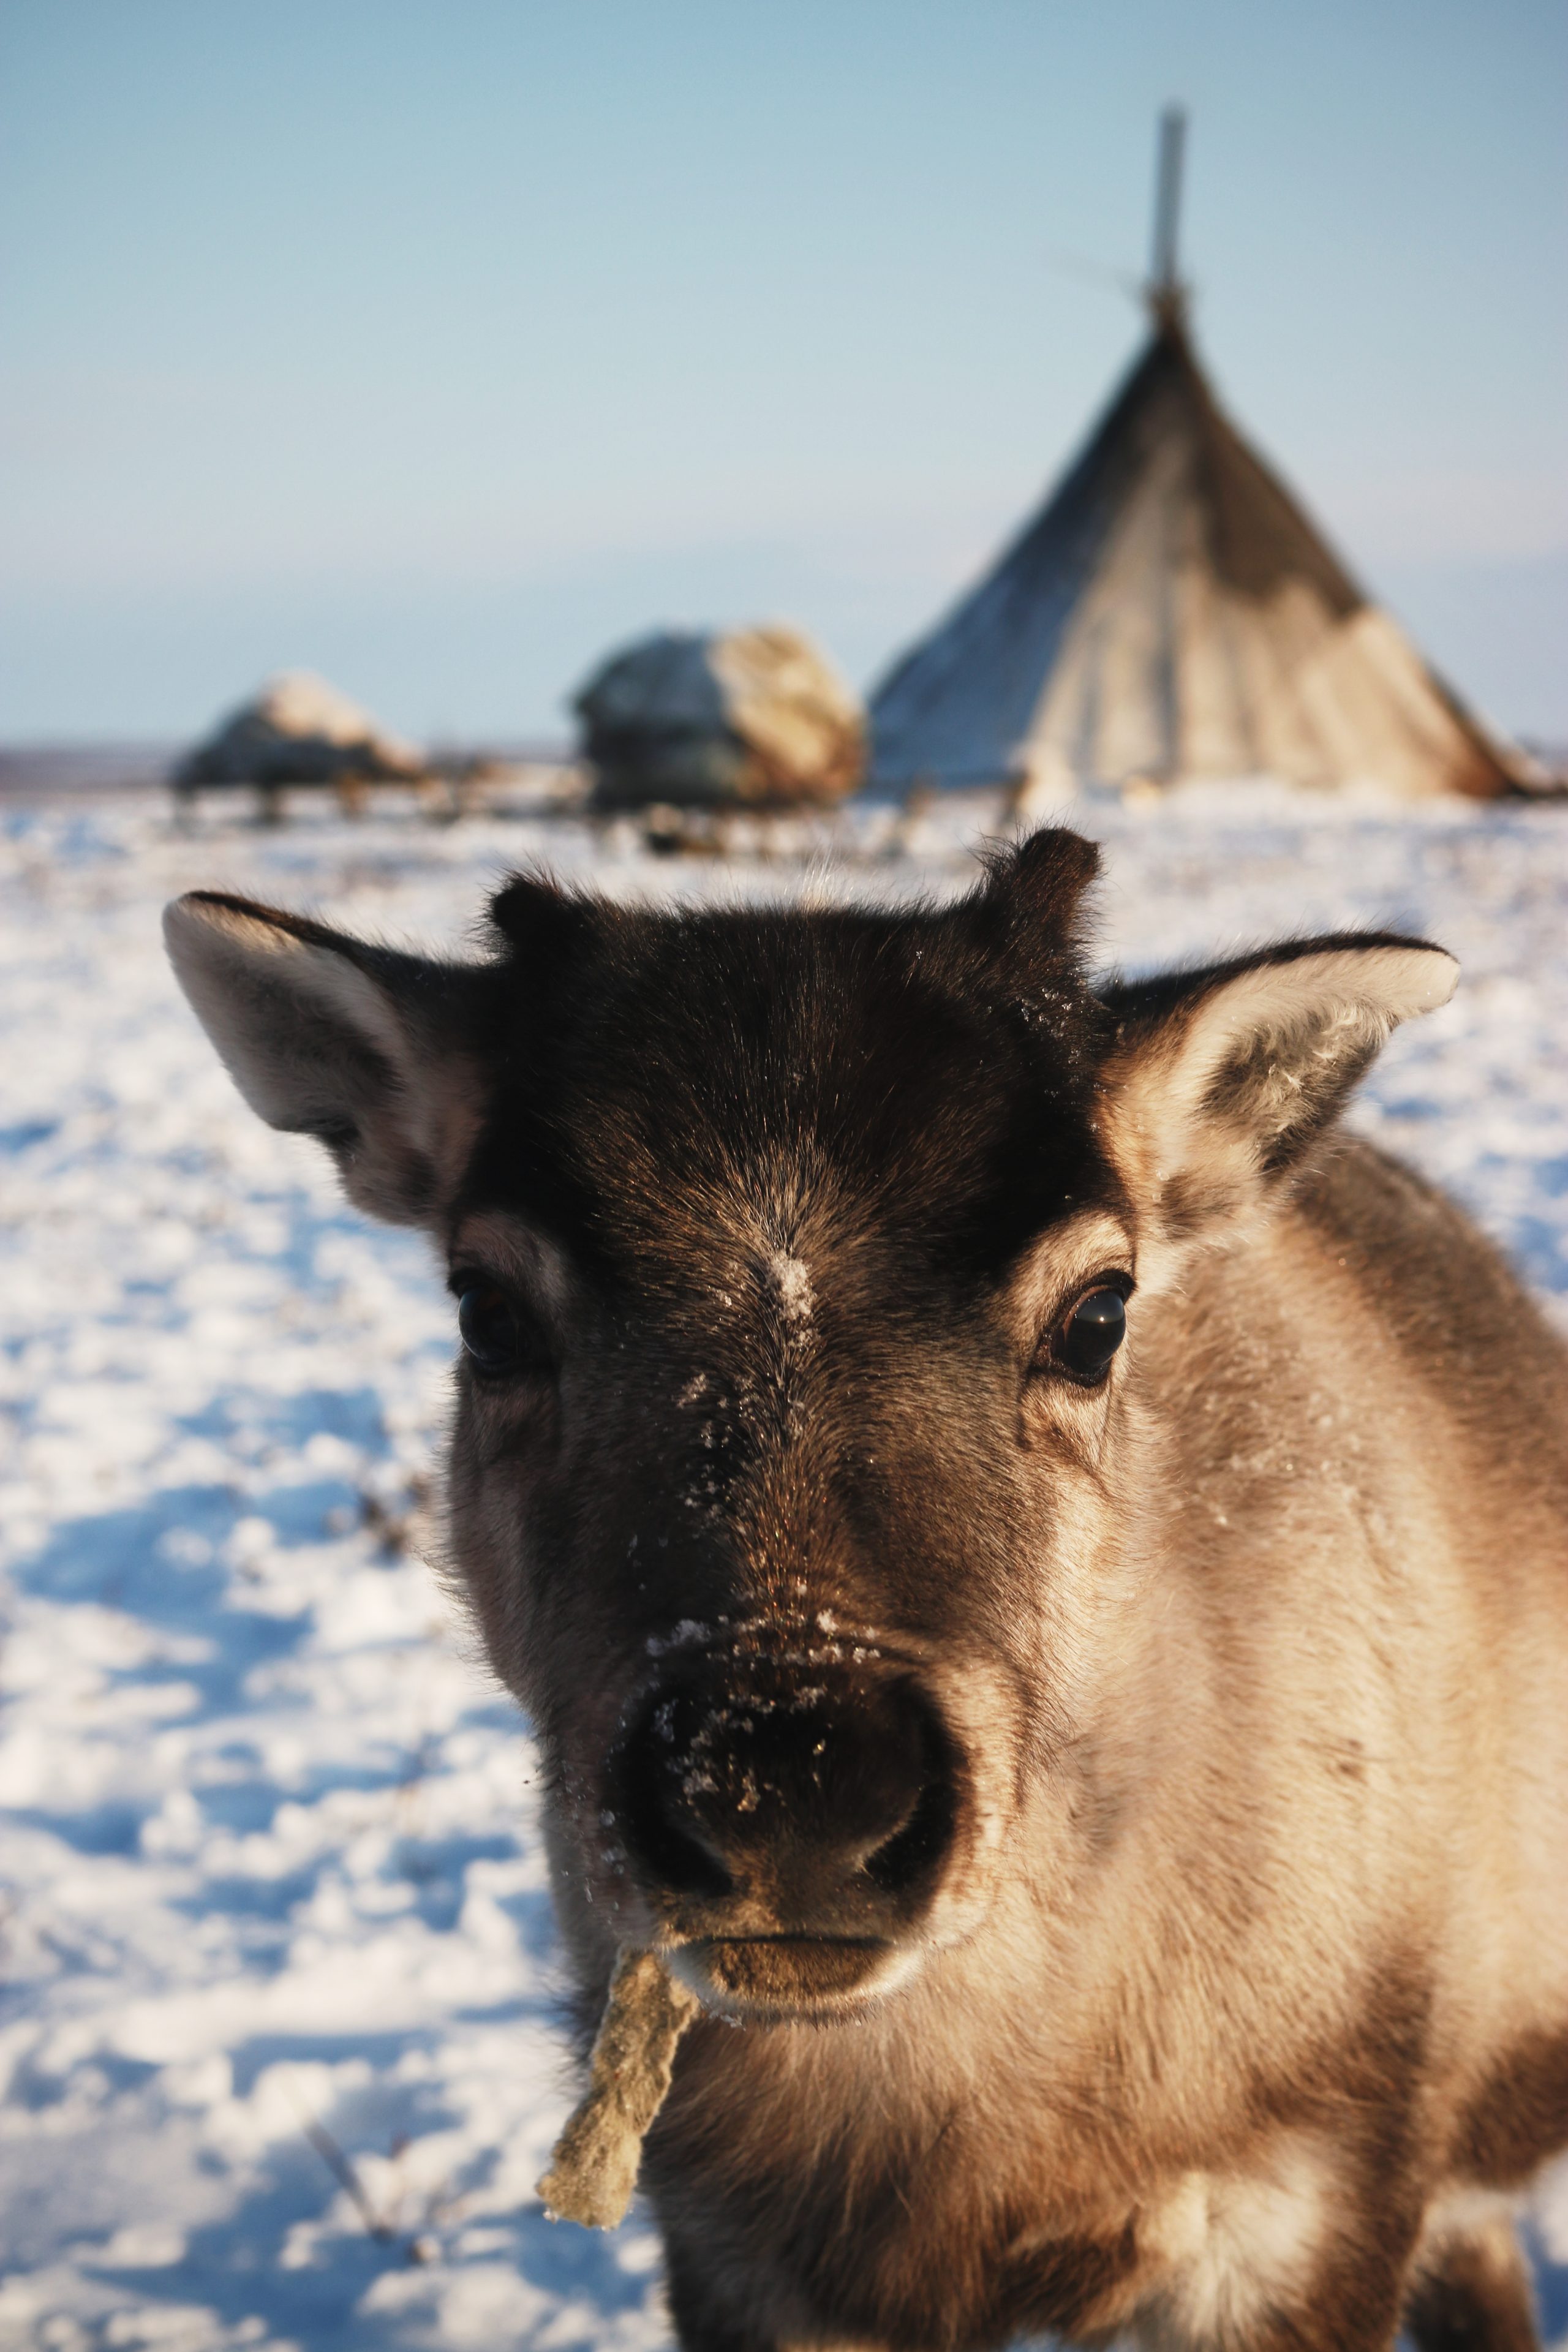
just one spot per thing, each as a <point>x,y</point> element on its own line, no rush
<point>298,730</point>
<point>753,716</point>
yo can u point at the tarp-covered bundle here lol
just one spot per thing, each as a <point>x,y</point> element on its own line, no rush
<point>1172,613</point>
<point>298,730</point>
<point>752,715</point>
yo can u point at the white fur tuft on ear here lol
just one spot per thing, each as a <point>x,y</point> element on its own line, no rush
<point>1223,1079</point>
<point>329,1036</point>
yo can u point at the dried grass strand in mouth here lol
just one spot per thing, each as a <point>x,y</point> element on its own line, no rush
<point>593,2167</point>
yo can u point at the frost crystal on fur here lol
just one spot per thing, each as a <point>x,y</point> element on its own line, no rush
<point>792,1279</point>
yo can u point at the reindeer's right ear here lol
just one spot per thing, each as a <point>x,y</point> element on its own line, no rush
<point>371,1051</point>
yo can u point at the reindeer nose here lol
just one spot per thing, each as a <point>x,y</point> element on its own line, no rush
<point>820,1800</point>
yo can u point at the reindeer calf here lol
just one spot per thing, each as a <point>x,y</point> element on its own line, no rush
<point>1040,1576</point>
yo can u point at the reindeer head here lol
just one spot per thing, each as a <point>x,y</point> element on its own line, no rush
<point>793,1474</point>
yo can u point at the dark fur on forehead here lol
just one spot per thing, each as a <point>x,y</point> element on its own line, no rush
<point>929,1070</point>
<point>1031,907</point>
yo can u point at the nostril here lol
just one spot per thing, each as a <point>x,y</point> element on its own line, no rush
<point>685,1865</point>
<point>665,1836</point>
<point>919,1842</point>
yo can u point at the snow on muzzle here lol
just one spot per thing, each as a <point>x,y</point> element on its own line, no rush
<point>789,1821</point>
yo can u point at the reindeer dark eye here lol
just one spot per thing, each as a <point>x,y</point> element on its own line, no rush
<point>499,1333</point>
<point>1093,1331</point>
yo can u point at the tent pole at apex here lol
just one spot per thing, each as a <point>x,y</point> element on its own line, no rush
<point>1167,295</point>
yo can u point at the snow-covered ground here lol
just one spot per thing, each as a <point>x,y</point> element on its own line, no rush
<point>276,1972</point>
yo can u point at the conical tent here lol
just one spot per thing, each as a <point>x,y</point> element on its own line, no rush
<point>1172,613</point>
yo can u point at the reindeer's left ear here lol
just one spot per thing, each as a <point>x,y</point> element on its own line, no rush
<point>1220,1080</point>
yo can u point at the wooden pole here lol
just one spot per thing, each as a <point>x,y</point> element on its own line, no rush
<point>1166,292</point>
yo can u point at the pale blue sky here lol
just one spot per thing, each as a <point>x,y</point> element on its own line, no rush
<point>437,344</point>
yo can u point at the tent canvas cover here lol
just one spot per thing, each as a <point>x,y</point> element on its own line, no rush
<point>1172,613</point>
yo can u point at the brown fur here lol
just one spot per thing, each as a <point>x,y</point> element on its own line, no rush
<point>1126,1819</point>
<point>1472,2294</point>
<point>1519,2116</point>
